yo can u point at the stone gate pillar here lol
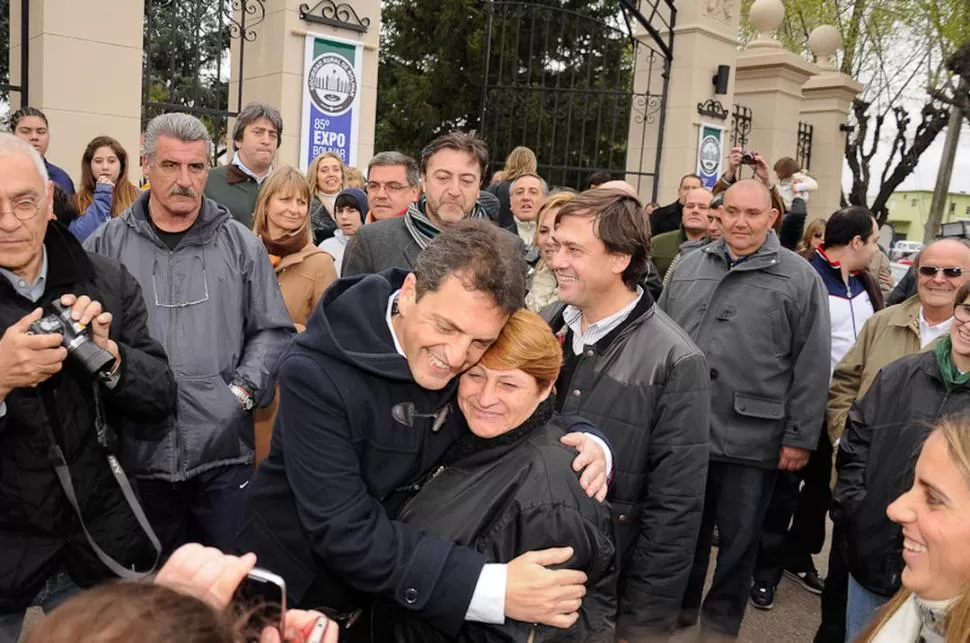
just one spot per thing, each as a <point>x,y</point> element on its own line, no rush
<point>705,36</point>
<point>769,82</point>
<point>84,73</point>
<point>272,67</point>
<point>827,102</point>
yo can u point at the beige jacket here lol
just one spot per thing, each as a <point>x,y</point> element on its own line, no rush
<point>888,335</point>
<point>881,274</point>
<point>303,277</point>
<point>543,291</point>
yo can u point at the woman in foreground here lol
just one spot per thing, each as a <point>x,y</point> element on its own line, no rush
<point>934,604</point>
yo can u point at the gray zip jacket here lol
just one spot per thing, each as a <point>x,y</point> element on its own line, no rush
<point>215,305</point>
<point>764,327</point>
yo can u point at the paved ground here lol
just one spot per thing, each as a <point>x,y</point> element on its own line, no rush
<point>794,618</point>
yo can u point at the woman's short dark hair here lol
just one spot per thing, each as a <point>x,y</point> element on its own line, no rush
<point>480,254</point>
<point>24,112</point>
<point>847,224</point>
<point>618,223</point>
<point>460,141</point>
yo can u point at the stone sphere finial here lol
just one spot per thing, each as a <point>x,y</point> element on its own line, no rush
<point>766,15</point>
<point>824,41</point>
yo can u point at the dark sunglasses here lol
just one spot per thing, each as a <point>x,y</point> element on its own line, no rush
<point>932,271</point>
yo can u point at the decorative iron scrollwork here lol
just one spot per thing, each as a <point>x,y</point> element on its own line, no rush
<point>740,125</point>
<point>806,132</point>
<point>251,13</point>
<point>712,109</point>
<point>646,108</point>
<point>341,16</point>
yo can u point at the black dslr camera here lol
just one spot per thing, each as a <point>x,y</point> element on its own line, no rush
<point>94,360</point>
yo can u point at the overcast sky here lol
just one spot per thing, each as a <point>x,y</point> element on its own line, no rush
<point>924,177</point>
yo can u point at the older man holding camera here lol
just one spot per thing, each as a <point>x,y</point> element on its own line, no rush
<point>91,358</point>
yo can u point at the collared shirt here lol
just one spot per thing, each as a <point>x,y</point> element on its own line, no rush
<point>929,333</point>
<point>526,230</point>
<point>245,170</point>
<point>573,317</point>
<point>391,301</point>
<point>33,291</point>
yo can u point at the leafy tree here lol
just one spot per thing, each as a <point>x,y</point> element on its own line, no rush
<point>899,50</point>
<point>186,60</point>
<point>559,80</point>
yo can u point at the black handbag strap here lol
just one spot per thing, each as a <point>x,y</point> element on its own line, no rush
<point>63,473</point>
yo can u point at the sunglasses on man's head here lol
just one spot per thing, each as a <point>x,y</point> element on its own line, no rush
<point>932,271</point>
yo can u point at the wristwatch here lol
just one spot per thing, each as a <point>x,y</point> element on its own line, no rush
<point>245,397</point>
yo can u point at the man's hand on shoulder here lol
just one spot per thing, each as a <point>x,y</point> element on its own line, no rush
<point>536,594</point>
<point>592,461</point>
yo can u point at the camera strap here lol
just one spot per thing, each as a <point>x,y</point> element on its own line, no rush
<point>64,477</point>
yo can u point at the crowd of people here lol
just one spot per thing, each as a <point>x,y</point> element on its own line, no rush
<point>440,410</point>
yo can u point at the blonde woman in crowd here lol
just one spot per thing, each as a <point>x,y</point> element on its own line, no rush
<point>543,290</point>
<point>934,604</point>
<point>326,176</point>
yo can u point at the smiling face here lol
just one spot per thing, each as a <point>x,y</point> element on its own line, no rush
<point>446,331</point>
<point>496,401</point>
<point>451,185</point>
<point>585,269</point>
<point>24,204</point>
<point>936,291</point>
<point>935,517</point>
<point>330,176</point>
<point>105,163</point>
<point>526,198</point>
<point>286,211</point>
<point>544,239</point>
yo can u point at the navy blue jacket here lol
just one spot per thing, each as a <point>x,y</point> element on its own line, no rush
<point>319,508</point>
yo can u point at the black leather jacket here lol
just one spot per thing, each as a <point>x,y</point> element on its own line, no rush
<point>877,459</point>
<point>647,387</point>
<point>506,496</point>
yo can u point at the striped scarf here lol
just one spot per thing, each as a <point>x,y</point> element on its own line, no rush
<point>421,228</point>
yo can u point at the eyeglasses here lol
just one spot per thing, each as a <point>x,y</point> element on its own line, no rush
<point>24,209</point>
<point>931,271</point>
<point>391,188</point>
<point>961,312</point>
<point>181,304</point>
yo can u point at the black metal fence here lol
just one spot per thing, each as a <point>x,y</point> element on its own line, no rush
<point>23,36</point>
<point>560,79</point>
<point>741,120</point>
<point>803,147</point>
<point>186,63</point>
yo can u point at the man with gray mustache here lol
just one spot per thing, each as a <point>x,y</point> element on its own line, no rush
<point>213,301</point>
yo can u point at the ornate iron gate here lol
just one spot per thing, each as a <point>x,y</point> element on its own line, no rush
<point>6,85</point>
<point>560,79</point>
<point>187,59</point>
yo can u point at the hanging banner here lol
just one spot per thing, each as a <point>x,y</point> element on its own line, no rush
<point>331,99</point>
<point>710,152</point>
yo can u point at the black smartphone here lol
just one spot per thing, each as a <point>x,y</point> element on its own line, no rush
<point>262,595</point>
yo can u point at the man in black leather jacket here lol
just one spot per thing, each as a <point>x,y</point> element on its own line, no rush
<point>631,371</point>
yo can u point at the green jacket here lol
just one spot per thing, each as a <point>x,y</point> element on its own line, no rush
<point>237,191</point>
<point>666,246</point>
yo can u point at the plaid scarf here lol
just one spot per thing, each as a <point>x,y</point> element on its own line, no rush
<point>421,228</point>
